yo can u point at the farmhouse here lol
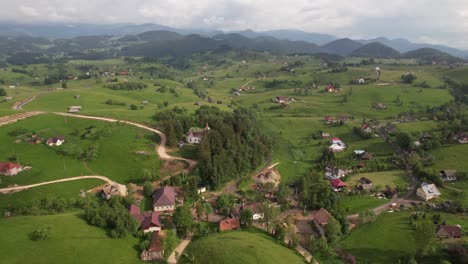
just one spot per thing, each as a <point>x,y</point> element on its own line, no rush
<point>330,119</point>
<point>366,128</point>
<point>332,172</point>
<point>74,109</point>
<point>462,138</point>
<point>325,135</point>
<point>229,224</point>
<point>149,221</point>
<point>10,169</point>
<point>155,250</point>
<point>109,190</point>
<point>164,199</point>
<point>428,191</point>
<point>337,185</point>
<point>321,217</point>
<point>448,231</point>
<point>448,175</point>
<point>337,145</point>
<point>281,99</point>
<point>55,141</point>
<point>195,135</point>
<point>380,106</point>
<point>256,209</point>
<point>331,88</point>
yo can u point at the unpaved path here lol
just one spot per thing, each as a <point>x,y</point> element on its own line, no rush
<point>21,188</point>
<point>179,249</point>
<point>160,149</point>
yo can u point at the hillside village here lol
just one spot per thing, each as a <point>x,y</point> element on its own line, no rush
<point>319,159</point>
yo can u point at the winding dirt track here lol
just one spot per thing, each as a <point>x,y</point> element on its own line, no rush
<point>20,188</point>
<point>160,149</point>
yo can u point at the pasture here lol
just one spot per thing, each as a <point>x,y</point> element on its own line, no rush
<point>246,247</point>
<point>72,240</point>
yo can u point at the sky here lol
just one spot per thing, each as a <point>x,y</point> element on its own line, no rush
<point>430,21</point>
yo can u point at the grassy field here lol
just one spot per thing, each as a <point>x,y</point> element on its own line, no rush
<point>116,145</point>
<point>390,178</point>
<point>52,191</point>
<point>358,203</point>
<point>451,157</point>
<point>240,247</point>
<point>72,241</point>
<point>417,127</point>
<point>383,241</point>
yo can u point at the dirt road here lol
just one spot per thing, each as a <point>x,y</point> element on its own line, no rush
<point>20,188</point>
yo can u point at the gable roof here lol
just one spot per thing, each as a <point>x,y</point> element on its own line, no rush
<point>322,216</point>
<point>7,166</point>
<point>134,210</point>
<point>449,173</point>
<point>164,196</point>
<point>453,231</point>
<point>337,183</point>
<point>156,243</point>
<point>150,219</point>
<point>55,139</point>
<point>229,224</point>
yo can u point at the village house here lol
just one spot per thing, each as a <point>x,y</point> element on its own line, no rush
<point>325,135</point>
<point>448,175</point>
<point>448,231</point>
<point>149,221</point>
<point>74,109</point>
<point>330,119</point>
<point>331,88</point>
<point>337,185</point>
<point>229,224</point>
<point>195,135</point>
<point>10,169</point>
<point>155,250</point>
<point>337,145</point>
<point>462,138</point>
<point>55,141</point>
<point>332,172</point>
<point>164,199</point>
<point>281,99</point>
<point>109,190</point>
<point>380,106</point>
<point>363,155</point>
<point>366,128</point>
<point>428,191</point>
<point>256,208</point>
<point>321,217</point>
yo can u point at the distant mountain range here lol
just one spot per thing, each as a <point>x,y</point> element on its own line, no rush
<point>75,30</point>
<point>103,41</point>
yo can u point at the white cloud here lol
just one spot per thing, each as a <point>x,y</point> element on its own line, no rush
<point>442,21</point>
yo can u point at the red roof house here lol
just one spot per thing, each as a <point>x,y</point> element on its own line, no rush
<point>447,231</point>
<point>229,224</point>
<point>149,221</point>
<point>155,250</point>
<point>10,169</point>
<point>337,184</point>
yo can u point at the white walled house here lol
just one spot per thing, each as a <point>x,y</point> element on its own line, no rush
<point>428,191</point>
<point>195,136</point>
<point>55,141</point>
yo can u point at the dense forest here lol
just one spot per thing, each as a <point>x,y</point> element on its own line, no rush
<point>235,145</point>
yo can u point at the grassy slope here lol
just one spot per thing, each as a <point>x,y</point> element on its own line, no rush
<point>357,203</point>
<point>72,241</point>
<point>383,241</point>
<point>240,247</point>
<point>116,151</point>
<point>451,157</point>
<point>391,178</point>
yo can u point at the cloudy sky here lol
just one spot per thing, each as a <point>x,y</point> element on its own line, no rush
<point>430,21</point>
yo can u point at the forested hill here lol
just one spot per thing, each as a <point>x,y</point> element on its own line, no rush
<point>235,145</point>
